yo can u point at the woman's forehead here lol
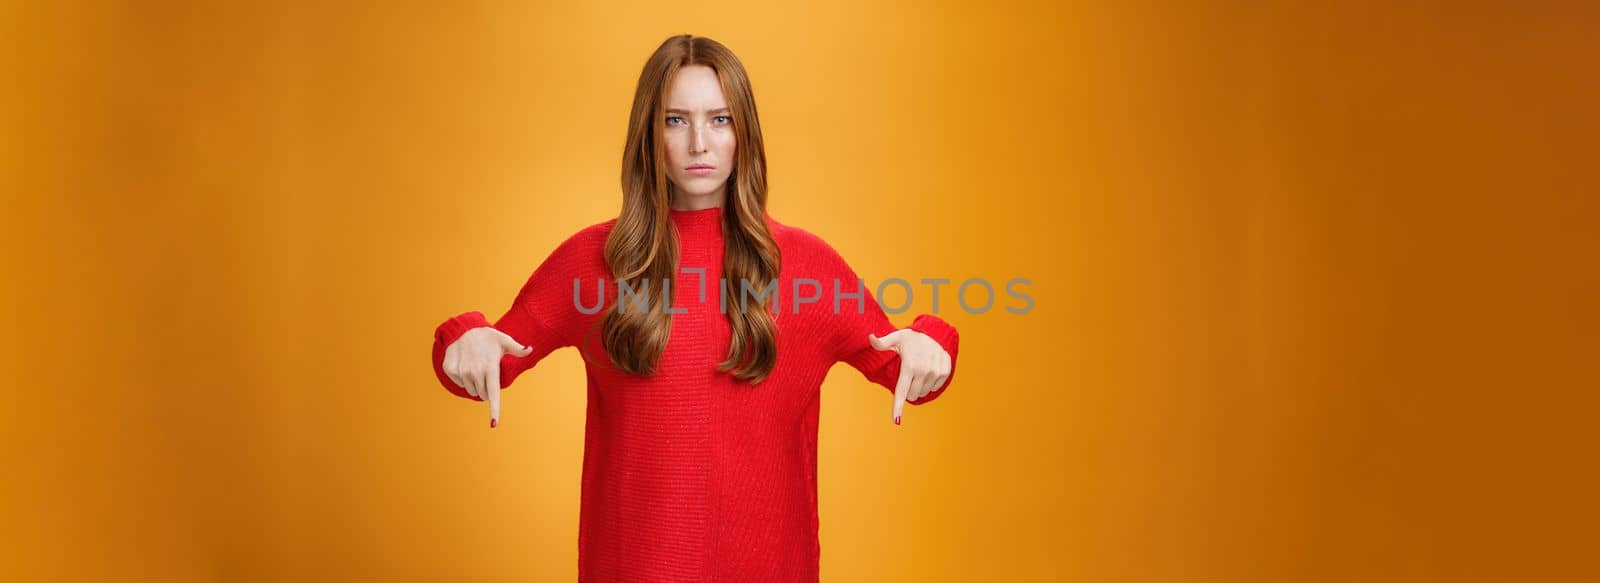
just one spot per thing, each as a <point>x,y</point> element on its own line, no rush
<point>695,89</point>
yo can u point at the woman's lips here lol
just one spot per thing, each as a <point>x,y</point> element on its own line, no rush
<point>700,170</point>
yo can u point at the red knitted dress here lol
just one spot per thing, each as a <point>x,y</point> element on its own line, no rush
<point>691,475</point>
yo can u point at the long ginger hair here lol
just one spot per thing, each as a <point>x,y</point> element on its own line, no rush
<point>643,244</point>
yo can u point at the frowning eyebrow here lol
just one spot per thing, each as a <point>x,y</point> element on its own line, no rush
<point>722,110</point>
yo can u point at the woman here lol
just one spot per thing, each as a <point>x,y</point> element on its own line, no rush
<point>700,444</point>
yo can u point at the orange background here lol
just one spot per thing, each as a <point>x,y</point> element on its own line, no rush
<point>1315,286</point>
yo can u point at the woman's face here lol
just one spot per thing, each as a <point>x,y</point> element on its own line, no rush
<point>699,137</point>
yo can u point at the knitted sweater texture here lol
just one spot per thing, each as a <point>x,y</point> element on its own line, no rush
<point>691,474</point>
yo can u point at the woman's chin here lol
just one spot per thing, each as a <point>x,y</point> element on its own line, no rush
<point>700,188</point>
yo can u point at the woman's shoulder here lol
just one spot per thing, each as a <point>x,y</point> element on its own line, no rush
<point>583,249</point>
<point>802,247</point>
<point>592,235</point>
<point>792,238</point>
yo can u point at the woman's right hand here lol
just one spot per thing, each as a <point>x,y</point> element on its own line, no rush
<point>473,361</point>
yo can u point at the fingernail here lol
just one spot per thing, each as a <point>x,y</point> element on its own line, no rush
<point>494,423</point>
<point>896,419</point>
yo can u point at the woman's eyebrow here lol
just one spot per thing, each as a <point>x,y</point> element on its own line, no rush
<point>675,110</point>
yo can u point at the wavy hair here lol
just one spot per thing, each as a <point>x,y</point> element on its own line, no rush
<point>643,246</point>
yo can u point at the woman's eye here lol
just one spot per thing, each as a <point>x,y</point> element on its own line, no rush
<point>673,119</point>
<point>724,119</point>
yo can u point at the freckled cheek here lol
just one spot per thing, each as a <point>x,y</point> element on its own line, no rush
<point>675,147</point>
<point>726,144</point>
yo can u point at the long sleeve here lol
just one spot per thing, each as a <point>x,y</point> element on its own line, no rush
<point>883,366</point>
<point>691,473</point>
<point>854,320</point>
<point>540,317</point>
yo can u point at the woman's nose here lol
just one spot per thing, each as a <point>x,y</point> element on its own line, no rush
<point>697,141</point>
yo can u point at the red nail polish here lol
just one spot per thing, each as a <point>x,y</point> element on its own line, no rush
<point>494,423</point>
<point>896,419</point>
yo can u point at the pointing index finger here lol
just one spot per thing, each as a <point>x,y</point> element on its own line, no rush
<point>494,397</point>
<point>902,388</point>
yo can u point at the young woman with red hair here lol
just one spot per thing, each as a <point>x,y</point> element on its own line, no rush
<point>701,437</point>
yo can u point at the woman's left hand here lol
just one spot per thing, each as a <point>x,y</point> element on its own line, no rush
<point>924,365</point>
